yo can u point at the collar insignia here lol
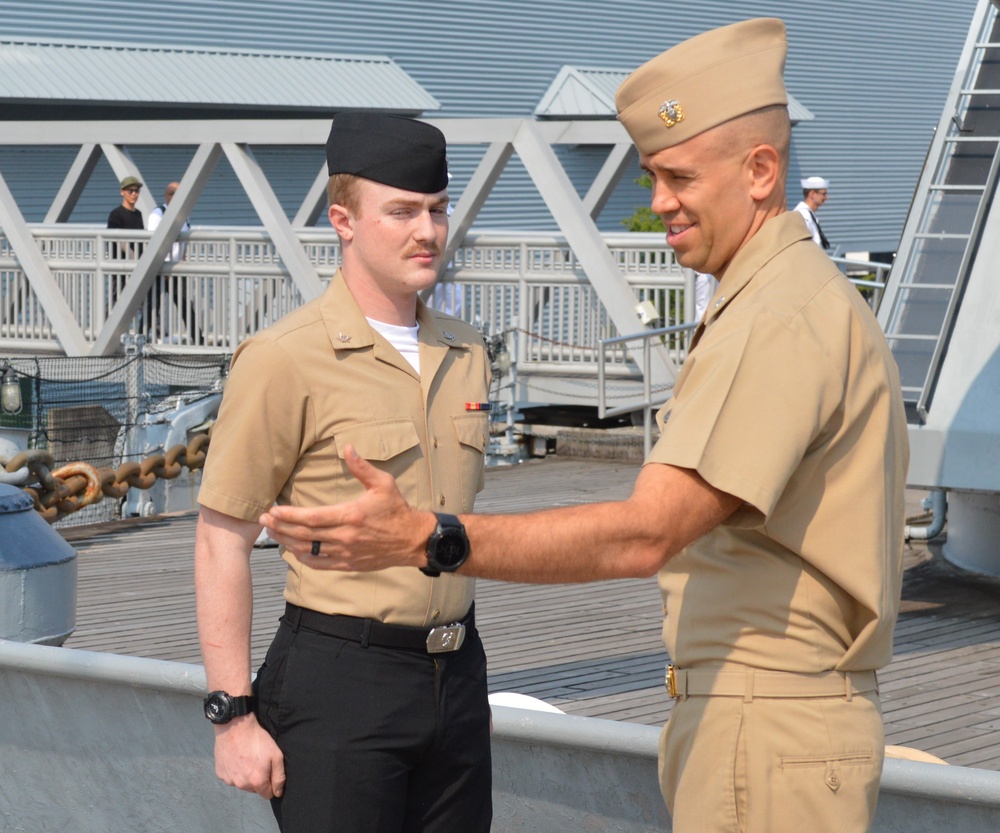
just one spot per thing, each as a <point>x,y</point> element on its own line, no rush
<point>344,338</point>
<point>448,335</point>
<point>671,112</point>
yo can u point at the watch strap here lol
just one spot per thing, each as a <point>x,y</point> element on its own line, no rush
<point>433,569</point>
<point>234,706</point>
<point>243,704</point>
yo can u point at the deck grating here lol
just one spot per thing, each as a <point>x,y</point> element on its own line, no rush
<point>590,649</point>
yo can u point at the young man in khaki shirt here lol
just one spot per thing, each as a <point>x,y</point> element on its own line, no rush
<point>772,504</point>
<point>369,714</point>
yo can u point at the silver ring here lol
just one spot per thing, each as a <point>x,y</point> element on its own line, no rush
<point>315,548</point>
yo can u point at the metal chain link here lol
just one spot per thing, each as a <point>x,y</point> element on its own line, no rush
<point>71,487</point>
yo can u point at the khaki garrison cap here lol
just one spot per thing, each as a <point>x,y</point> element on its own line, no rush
<point>702,82</point>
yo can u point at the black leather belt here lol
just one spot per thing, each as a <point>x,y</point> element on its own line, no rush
<point>437,640</point>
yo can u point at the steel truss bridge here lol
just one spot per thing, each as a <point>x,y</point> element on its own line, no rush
<point>76,290</point>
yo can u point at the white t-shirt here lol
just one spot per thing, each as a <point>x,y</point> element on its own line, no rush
<point>704,289</point>
<point>404,339</point>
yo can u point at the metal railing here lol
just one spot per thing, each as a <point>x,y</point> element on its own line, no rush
<point>231,283</point>
<point>872,287</point>
<point>676,339</point>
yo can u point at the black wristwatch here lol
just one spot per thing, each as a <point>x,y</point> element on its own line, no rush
<point>448,547</point>
<point>221,707</point>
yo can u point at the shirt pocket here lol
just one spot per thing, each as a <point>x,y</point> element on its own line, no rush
<point>473,434</point>
<point>380,440</point>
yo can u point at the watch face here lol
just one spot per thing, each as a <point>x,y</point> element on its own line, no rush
<point>452,548</point>
<point>217,708</point>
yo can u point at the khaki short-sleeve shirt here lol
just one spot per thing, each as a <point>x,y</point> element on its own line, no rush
<point>320,378</point>
<point>790,400</point>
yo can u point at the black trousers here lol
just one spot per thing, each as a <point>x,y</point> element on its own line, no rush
<point>377,740</point>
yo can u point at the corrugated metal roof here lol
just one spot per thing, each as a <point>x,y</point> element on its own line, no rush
<point>84,72</point>
<point>874,74</point>
<point>588,93</point>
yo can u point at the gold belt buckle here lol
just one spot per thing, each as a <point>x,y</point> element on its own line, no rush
<point>671,682</point>
<point>445,638</point>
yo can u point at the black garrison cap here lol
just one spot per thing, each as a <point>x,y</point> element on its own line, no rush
<point>394,150</point>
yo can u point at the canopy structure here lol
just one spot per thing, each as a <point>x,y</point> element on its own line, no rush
<point>62,72</point>
<point>589,93</point>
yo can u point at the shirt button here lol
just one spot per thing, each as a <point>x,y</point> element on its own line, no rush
<point>434,442</point>
<point>436,615</point>
<point>441,500</point>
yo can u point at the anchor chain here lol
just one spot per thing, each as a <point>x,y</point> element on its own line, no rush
<point>71,487</point>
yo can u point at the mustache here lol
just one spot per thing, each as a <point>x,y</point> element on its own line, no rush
<point>433,249</point>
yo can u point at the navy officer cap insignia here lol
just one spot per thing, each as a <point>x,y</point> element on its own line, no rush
<point>718,75</point>
<point>393,150</point>
<point>671,112</point>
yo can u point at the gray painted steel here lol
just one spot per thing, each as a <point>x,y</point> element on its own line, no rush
<point>873,74</point>
<point>939,249</point>
<point>941,303</point>
<point>95,742</point>
<point>37,574</point>
<point>90,743</point>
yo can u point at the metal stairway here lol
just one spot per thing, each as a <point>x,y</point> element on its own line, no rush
<point>945,224</point>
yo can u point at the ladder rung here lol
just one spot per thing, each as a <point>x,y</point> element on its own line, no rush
<point>910,337</point>
<point>958,189</point>
<point>912,285</point>
<point>926,235</point>
<point>994,139</point>
<point>972,91</point>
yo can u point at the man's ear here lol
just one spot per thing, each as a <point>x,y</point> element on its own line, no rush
<point>764,165</point>
<point>342,221</point>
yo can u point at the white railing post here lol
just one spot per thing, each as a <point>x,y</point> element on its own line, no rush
<point>524,305</point>
<point>231,339</point>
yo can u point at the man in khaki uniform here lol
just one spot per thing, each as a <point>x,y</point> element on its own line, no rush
<point>771,505</point>
<point>372,698</point>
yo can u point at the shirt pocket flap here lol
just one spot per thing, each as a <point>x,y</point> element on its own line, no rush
<point>472,430</point>
<point>381,440</point>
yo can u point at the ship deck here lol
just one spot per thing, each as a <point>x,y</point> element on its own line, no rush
<point>590,649</point>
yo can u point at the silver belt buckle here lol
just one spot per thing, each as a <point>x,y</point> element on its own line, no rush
<point>445,638</point>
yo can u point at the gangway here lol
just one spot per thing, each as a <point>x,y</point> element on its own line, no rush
<point>941,306</point>
<point>946,223</point>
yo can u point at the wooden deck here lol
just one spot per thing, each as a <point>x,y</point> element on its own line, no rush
<point>588,649</point>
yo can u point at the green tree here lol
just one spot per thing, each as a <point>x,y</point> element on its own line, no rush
<point>643,219</point>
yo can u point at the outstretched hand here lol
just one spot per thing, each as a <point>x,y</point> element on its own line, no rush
<point>377,530</point>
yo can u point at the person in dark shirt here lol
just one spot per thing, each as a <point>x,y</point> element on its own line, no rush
<point>127,215</point>
<point>124,216</point>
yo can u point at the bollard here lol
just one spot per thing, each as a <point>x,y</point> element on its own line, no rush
<point>37,574</point>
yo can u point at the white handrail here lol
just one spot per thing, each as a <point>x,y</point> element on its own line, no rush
<point>232,282</point>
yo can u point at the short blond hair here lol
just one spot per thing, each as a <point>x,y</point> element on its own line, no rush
<point>343,189</point>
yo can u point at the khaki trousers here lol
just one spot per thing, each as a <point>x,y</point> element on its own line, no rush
<point>781,765</point>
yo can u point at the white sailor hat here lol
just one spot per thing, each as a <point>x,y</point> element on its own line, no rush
<point>815,183</point>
